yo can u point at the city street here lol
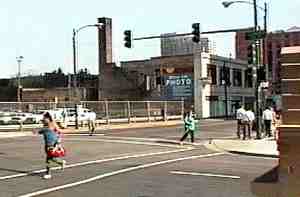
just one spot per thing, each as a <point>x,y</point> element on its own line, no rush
<point>131,162</point>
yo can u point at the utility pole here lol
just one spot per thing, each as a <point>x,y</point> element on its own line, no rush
<point>75,77</point>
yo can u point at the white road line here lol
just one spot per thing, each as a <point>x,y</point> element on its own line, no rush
<point>83,134</point>
<point>205,174</point>
<point>125,170</point>
<point>95,162</point>
<point>124,142</point>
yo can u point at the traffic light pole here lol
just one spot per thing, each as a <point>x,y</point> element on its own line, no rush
<point>188,34</point>
<point>225,89</point>
<point>255,74</point>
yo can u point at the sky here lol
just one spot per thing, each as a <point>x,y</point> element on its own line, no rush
<point>41,31</point>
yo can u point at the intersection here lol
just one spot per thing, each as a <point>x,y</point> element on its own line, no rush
<point>131,163</point>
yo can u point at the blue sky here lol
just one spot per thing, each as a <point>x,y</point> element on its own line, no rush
<point>41,30</point>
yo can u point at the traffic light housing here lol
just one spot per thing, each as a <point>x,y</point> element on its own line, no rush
<point>196,32</point>
<point>261,73</point>
<point>127,38</point>
<point>250,54</point>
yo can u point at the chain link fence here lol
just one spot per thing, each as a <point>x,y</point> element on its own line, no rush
<point>26,113</point>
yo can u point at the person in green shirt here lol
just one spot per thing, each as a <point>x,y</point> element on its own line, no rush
<point>189,126</point>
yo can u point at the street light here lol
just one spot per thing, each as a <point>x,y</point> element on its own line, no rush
<point>75,32</point>
<point>226,4</point>
<point>19,60</point>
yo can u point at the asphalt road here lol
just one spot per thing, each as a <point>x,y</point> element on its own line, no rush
<point>130,163</point>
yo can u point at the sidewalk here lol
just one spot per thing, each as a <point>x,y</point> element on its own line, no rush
<point>262,148</point>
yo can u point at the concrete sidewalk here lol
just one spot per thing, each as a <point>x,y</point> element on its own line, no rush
<point>263,148</point>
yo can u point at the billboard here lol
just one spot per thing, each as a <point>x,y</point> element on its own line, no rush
<point>178,86</point>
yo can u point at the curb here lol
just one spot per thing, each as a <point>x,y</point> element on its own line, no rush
<point>212,143</point>
<point>253,154</point>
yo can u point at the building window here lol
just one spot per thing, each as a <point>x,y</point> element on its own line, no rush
<point>237,77</point>
<point>212,74</point>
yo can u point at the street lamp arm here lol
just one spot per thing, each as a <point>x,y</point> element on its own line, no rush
<point>85,26</point>
<point>226,4</point>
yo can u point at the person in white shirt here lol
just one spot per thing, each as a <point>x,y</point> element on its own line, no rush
<point>240,115</point>
<point>267,118</point>
<point>91,122</point>
<point>251,117</point>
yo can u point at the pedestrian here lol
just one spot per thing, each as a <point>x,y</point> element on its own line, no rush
<point>251,117</point>
<point>267,120</point>
<point>278,122</point>
<point>51,124</point>
<point>240,115</point>
<point>91,122</point>
<point>189,127</point>
<point>51,142</point>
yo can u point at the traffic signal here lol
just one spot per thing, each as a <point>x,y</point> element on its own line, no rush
<point>196,32</point>
<point>250,54</point>
<point>127,38</point>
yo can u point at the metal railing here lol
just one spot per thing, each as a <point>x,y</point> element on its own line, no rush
<point>106,111</point>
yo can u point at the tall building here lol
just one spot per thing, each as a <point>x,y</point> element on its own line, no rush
<point>273,43</point>
<point>183,45</point>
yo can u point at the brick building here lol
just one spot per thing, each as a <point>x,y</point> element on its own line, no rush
<point>272,46</point>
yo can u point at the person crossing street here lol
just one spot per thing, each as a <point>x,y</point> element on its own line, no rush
<point>267,118</point>
<point>240,116</point>
<point>189,125</point>
<point>52,142</point>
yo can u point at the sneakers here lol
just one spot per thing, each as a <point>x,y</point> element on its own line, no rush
<point>63,165</point>
<point>47,176</point>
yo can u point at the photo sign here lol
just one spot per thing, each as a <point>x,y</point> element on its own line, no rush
<point>178,86</point>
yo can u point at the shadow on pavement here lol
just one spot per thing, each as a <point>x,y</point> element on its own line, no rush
<point>266,185</point>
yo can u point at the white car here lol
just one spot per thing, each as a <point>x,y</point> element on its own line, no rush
<point>36,117</point>
<point>5,117</point>
<point>56,114</point>
<point>84,114</point>
<point>21,118</point>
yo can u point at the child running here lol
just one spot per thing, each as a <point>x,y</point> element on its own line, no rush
<point>52,140</point>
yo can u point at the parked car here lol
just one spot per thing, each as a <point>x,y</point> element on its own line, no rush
<point>5,117</point>
<point>19,118</point>
<point>83,114</point>
<point>35,117</point>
